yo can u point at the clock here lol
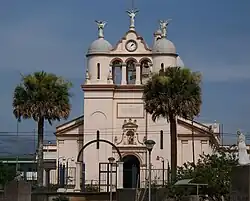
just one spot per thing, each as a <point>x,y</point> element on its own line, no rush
<point>131,45</point>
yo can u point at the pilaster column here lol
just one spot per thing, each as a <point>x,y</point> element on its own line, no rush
<point>138,74</point>
<point>124,74</point>
<point>119,175</point>
<point>78,177</point>
<point>110,76</point>
<point>47,177</point>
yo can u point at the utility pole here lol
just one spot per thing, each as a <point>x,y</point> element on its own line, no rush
<point>222,135</point>
<point>17,136</point>
<point>193,140</point>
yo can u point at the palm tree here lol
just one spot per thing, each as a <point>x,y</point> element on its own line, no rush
<point>42,96</point>
<point>171,93</point>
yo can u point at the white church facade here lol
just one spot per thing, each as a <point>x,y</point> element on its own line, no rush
<point>113,107</point>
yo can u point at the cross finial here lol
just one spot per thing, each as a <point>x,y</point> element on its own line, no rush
<point>132,4</point>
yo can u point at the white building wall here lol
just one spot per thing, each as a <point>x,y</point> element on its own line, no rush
<point>92,63</point>
<point>97,116</point>
<point>166,61</point>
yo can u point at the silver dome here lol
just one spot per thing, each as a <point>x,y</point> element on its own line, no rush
<point>100,46</point>
<point>164,45</point>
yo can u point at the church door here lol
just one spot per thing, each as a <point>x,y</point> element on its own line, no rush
<point>131,171</point>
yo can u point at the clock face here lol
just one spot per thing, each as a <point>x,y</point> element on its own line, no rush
<point>131,46</point>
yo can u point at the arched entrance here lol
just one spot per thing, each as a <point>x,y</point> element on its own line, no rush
<point>131,171</point>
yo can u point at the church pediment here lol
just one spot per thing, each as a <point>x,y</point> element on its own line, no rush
<point>71,127</point>
<point>131,43</point>
<point>186,127</point>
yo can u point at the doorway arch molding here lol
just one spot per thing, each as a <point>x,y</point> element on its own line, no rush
<point>133,154</point>
<point>98,140</point>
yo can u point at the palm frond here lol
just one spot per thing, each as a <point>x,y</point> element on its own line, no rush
<point>42,94</point>
<point>175,91</point>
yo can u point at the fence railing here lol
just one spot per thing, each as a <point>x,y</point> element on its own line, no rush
<point>67,178</point>
<point>159,177</point>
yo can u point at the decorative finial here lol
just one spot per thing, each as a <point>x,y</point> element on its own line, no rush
<point>132,13</point>
<point>100,25</point>
<point>163,27</point>
<point>87,78</point>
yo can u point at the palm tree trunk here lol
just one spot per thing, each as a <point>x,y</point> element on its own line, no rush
<point>173,136</point>
<point>40,152</point>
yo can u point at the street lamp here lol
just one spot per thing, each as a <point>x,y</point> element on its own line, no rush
<point>149,145</point>
<point>111,161</point>
<point>163,168</point>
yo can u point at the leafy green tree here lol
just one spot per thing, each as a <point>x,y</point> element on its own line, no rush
<point>42,96</point>
<point>7,173</point>
<point>171,93</point>
<point>214,170</point>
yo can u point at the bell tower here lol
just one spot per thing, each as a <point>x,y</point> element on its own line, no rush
<point>98,71</point>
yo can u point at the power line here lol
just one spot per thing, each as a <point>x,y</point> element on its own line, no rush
<point>104,132</point>
<point>166,124</point>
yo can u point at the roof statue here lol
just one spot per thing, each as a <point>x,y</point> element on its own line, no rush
<point>163,27</point>
<point>132,13</point>
<point>242,149</point>
<point>100,25</point>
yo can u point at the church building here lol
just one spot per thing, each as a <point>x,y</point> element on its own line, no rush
<point>114,112</point>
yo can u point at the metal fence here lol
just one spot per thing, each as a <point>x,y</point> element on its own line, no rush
<point>159,177</point>
<point>65,177</point>
<point>135,179</point>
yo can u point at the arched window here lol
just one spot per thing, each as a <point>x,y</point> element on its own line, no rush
<point>162,66</point>
<point>98,71</point>
<point>131,72</point>
<point>117,71</point>
<point>145,70</point>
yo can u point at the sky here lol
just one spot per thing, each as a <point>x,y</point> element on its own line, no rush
<point>212,37</point>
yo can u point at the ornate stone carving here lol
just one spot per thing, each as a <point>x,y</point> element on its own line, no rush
<point>163,27</point>
<point>110,78</point>
<point>132,13</point>
<point>87,78</point>
<point>129,135</point>
<point>242,149</point>
<point>100,25</point>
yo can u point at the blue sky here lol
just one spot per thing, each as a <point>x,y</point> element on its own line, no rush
<point>211,36</point>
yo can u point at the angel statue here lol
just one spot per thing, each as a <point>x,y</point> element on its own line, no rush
<point>132,13</point>
<point>163,27</point>
<point>242,149</point>
<point>100,25</point>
